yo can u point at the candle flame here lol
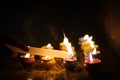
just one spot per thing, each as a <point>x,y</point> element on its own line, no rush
<point>94,51</point>
<point>48,45</point>
<point>86,37</point>
<point>91,57</point>
<point>47,57</point>
<point>27,55</point>
<point>68,46</point>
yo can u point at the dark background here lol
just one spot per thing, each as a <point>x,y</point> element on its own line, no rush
<point>39,23</point>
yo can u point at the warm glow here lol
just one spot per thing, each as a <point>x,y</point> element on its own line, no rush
<point>89,40</point>
<point>68,46</point>
<point>47,57</point>
<point>86,37</point>
<point>49,45</point>
<point>27,55</point>
<point>91,57</point>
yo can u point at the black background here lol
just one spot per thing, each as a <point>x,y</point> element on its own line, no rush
<point>38,23</point>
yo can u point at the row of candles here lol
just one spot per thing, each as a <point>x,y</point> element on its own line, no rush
<point>88,47</point>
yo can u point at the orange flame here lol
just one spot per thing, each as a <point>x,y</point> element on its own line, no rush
<point>68,45</point>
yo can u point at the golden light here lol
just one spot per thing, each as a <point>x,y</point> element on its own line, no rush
<point>27,55</point>
<point>86,37</point>
<point>47,57</point>
<point>48,45</point>
<point>68,46</point>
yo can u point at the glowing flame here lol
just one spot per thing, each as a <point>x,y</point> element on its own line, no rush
<point>94,51</point>
<point>89,40</point>
<point>47,57</point>
<point>27,55</point>
<point>86,37</point>
<point>48,45</point>
<point>91,57</point>
<point>68,46</point>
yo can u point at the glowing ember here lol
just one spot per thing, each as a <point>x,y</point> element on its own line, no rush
<point>48,46</point>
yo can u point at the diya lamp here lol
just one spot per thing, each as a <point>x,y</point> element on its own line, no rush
<point>48,46</point>
<point>92,65</point>
<point>27,60</point>
<point>48,62</point>
<point>87,45</point>
<point>71,61</point>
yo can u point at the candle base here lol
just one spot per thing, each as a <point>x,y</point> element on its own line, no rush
<point>27,62</point>
<point>93,68</point>
<point>48,64</point>
<point>70,64</point>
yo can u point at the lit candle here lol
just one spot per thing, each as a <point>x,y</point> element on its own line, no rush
<point>27,60</point>
<point>92,60</point>
<point>48,62</point>
<point>63,45</point>
<point>48,46</point>
<point>87,45</point>
<point>70,62</point>
<point>92,65</point>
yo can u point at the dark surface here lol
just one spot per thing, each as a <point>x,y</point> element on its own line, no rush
<point>12,69</point>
